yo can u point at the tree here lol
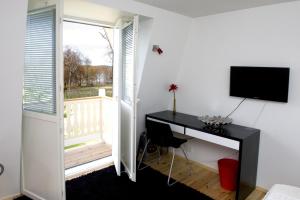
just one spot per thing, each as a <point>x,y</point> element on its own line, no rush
<point>87,63</point>
<point>78,69</point>
<point>110,52</point>
<point>72,63</point>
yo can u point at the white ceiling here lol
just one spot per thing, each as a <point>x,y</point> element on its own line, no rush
<point>85,10</point>
<point>198,8</point>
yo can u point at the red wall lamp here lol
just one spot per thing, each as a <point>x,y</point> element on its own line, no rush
<point>157,49</point>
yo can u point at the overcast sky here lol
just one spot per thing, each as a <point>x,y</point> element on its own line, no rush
<point>88,41</point>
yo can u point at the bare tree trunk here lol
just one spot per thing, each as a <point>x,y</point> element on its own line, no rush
<point>105,36</point>
<point>87,76</point>
<point>70,75</point>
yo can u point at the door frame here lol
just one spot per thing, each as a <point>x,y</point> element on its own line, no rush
<point>60,86</point>
<point>60,89</point>
<point>79,20</point>
<point>135,65</point>
<point>117,73</point>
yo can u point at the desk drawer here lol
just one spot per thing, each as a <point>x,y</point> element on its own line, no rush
<point>174,127</point>
<point>213,139</point>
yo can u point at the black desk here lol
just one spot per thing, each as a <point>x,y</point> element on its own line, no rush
<point>244,139</point>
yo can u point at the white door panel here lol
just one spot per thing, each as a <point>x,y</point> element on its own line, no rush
<point>42,139</point>
<point>126,157</point>
<point>41,153</point>
<point>116,139</point>
<point>128,102</point>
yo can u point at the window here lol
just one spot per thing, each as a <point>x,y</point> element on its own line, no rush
<point>127,63</point>
<point>40,63</point>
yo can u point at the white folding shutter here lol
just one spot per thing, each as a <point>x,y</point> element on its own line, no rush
<point>42,145</point>
<point>127,63</point>
<point>40,63</point>
<point>128,100</point>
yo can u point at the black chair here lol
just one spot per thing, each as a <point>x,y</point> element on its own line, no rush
<point>160,134</point>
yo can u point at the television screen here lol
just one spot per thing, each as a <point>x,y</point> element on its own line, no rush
<point>266,83</point>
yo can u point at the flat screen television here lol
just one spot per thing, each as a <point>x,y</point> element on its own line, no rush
<point>265,83</point>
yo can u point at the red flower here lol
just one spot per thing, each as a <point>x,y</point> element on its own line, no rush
<point>173,87</point>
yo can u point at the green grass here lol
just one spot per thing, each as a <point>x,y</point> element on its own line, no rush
<point>74,145</point>
<point>81,92</point>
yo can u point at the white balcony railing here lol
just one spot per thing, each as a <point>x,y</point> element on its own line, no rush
<point>87,119</point>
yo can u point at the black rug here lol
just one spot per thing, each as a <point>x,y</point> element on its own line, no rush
<point>105,184</point>
<point>23,198</point>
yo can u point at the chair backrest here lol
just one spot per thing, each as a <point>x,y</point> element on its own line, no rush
<point>158,132</point>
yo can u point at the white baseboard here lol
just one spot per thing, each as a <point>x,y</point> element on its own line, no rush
<point>32,195</point>
<point>261,189</point>
<point>10,197</point>
<point>209,168</point>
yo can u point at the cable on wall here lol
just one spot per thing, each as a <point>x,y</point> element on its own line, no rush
<point>236,108</point>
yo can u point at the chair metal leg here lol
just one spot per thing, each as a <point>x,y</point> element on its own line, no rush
<point>143,154</point>
<point>189,163</point>
<point>170,171</point>
<point>171,167</point>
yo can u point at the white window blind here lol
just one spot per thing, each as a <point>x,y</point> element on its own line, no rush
<point>40,63</point>
<point>127,63</point>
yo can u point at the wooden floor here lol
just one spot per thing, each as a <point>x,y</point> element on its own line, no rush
<point>203,179</point>
<point>85,154</point>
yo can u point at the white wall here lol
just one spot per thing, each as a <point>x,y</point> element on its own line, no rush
<point>169,30</point>
<point>12,34</point>
<point>264,36</point>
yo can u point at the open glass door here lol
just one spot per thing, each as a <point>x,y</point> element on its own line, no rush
<point>128,97</point>
<point>42,139</point>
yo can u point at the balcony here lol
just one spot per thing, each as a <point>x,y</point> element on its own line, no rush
<point>87,129</point>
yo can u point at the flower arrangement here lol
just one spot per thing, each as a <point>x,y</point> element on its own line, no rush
<point>173,88</point>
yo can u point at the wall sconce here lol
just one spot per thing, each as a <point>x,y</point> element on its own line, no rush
<point>1,169</point>
<point>157,49</point>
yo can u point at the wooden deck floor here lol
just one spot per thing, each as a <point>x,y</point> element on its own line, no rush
<point>203,179</point>
<point>85,154</point>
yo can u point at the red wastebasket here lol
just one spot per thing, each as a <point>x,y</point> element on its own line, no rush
<point>228,173</point>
